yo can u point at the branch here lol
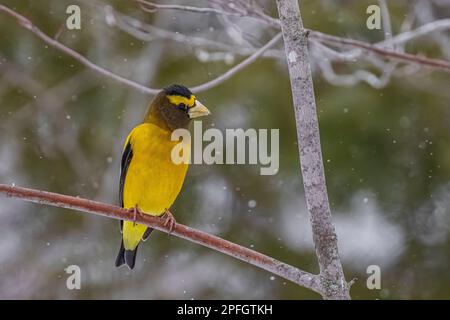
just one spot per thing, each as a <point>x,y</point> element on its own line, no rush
<point>326,68</point>
<point>386,19</point>
<point>26,23</point>
<point>400,39</point>
<point>252,257</point>
<point>424,11</point>
<point>394,55</point>
<point>435,26</point>
<point>240,9</point>
<point>324,234</point>
<point>151,7</point>
<point>148,32</point>
<point>376,48</point>
<point>227,75</point>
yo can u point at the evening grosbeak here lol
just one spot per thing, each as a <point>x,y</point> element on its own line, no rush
<point>149,180</point>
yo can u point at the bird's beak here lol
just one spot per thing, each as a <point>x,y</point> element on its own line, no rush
<point>199,110</point>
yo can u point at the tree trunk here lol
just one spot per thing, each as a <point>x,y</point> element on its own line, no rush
<point>334,285</point>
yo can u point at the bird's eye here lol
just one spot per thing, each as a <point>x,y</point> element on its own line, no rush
<point>182,106</point>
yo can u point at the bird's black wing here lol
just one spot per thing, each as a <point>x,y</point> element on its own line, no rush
<point>126,160</point>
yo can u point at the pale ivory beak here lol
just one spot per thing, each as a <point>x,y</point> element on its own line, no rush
<point>199,110</point>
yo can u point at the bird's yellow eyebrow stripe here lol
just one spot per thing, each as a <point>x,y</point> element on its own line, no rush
<point>176,100</point>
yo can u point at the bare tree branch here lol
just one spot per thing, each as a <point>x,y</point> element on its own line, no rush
<point>236,9</point>
<point>252,257</point>
<point>324,235</point>
<point>248,8</point>
<point>352,79</point>
<point>227,75</point>
<point>318,36</point>
<point>386,19</point>
<point>398,40</point>
<point>26,23</point>
<point>389,54</point>
<point>389,42</point>
<point>435,26</point>
<point>148,32</point>
<point>424,12</point>
<point>151,7</point>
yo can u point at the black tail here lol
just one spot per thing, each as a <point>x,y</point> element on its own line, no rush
<point>120,260</point>
<point>127,257</point>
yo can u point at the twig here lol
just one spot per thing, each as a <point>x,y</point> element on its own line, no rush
<point>389,42</point>
<point>352,282</point>
<point>257,259</point>
<point>386,19</point>
<point>398,40</point>
<point>435,26</point>
<point>394,55</point>
<point>227,75</point>
<point>308,136</point>
<point>147,32</point>
<point>425,14</point>
<point>330,75</point>
<point>151,7</point>
<point>247,11</point>
<point>26,23</point>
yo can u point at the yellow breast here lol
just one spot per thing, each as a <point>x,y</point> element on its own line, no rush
<point>152,181</point>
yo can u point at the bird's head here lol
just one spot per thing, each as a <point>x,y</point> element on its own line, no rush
<point>175,106</point>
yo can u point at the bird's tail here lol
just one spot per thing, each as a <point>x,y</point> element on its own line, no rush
<point>127,257</point>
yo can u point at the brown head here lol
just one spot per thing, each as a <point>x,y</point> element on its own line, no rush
<point>174,107</point>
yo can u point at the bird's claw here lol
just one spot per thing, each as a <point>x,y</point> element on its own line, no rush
<point>170,221</point>
<point>135,210</point>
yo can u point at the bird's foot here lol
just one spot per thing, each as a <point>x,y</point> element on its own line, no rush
<point>170,221</point>
<point>135,210</point>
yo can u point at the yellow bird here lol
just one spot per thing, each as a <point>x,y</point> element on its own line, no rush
<point>149,180</point>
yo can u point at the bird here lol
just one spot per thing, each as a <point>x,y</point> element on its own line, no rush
<point>149,180</point>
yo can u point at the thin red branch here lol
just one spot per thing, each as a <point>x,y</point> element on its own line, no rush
<point>252,257</point>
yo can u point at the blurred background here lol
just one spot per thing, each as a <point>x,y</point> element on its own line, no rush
<point>385,143</point>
